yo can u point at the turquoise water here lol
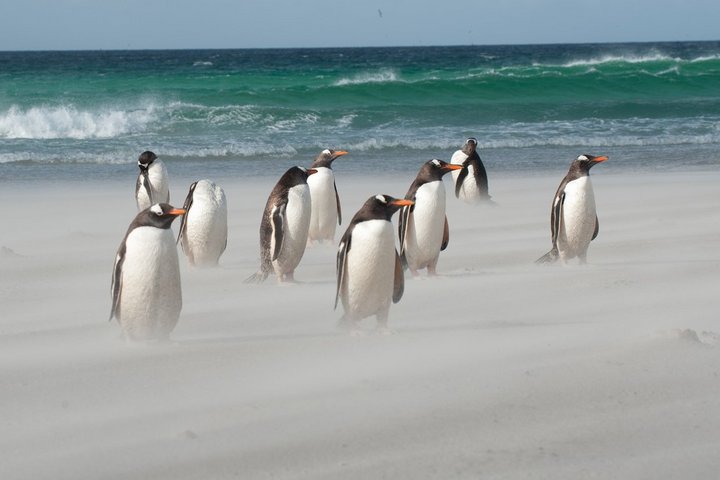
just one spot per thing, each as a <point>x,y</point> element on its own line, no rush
<point>236,112</point>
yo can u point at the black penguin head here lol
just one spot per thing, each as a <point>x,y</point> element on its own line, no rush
<point>384,206</point>
<point>326,157</point>
<point>470,146</point>
<point>146,159</point>
<point>583,163</point>
<point>295,176</point>
<point>435,169</point>
<point>160,215</point>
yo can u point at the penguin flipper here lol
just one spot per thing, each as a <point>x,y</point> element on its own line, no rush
<point>337,201</point>
<point>143,181</point>
<point>186,206</point>
<point>556,217</point>
<point>402,227</point>
<point>399,282</point>
<point>343,250</point>
<point>460,179</point>
<point>116,285</point>
<point>277,221</point>
<point>597,228</point>
<point>446,236</point>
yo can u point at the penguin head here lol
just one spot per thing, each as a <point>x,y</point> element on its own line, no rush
<point>384,206</point>
<point>470,146</point>
<point>146,159</point>
<point>160,215</point>
<point>296,176</point>
<point>583,163</point>
<point>435,169</point>
<point>326,157</point>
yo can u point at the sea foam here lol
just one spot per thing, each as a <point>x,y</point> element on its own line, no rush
<point>67,121</point>
<point>382,76</point>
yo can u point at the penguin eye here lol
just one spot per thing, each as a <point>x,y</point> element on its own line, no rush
<point>156,209</point>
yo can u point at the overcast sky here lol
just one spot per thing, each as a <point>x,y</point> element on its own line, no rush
<point>151,24</point>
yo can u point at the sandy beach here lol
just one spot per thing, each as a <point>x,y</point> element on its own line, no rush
<point>498,368</point>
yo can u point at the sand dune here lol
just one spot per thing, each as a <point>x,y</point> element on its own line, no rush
<point>499,368</point>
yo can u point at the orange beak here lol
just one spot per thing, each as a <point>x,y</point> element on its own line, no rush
<point>600,159</point>
<point>402,203</point>
<point>340,153</point>
<point>177,211</point>
<point>452,166</point>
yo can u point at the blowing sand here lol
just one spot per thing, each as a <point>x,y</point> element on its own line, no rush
<point>499,368</point>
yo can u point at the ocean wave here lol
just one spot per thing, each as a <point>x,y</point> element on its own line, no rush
<point>382,76</point>
<point>67,121</point>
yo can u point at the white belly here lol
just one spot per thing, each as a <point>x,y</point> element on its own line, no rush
<point>370,269</point>
<point>457,159</point>
<point>295,230</point>
<point>323,218</point>
<point>151,297</point>
<point>206,229</point>
<point>426,225</point>
<point>469,191</point>
<point>158,178</point>
<point>578,218</point>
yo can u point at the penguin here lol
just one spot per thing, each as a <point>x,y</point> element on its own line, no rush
<point>152,182</point>
<point>423,228</point>
<point>284,226</point>
<point>146,293</point>
<point>471,183</point>
<point>573,217</point>
<point>324,197</point>
<point>369,271</point>
<point>203,230</point>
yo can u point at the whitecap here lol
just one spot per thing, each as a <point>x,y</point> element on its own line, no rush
<point>382,76</point>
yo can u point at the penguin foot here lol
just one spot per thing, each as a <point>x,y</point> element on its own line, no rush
<point>551,257</point>
<point>257,277</point>
<point>385,331</point>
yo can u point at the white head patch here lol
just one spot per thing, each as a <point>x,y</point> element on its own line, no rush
<point>326,152</point>
<point>156,209</point>
<point>381,198</point>
<point>435,162</point>
<point>582,158</point>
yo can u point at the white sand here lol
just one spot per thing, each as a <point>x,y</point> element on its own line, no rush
<point>498,369</point>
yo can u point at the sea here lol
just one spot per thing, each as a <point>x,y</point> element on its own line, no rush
<point>254,112</point>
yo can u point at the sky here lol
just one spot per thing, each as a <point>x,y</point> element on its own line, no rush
<point>171,24</point>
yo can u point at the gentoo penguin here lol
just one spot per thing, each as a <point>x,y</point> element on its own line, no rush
<point>423,227</point>
<point>203,231</point>
<point>471,183</point>
<point>152,182</point>
<point>324,197</point>
<point>284,226</point>
<point>573,218</point>
<point>369,272</point>
<point>146,294</point>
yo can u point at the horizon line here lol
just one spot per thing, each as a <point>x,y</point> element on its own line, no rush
<point>143,49</point>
